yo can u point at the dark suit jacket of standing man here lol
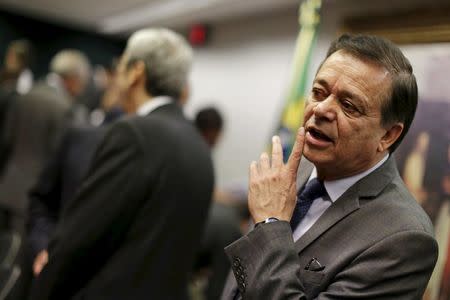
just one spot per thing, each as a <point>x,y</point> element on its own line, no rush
<point>59,181</point>
<point>133,229</point>
<point>354,241</point>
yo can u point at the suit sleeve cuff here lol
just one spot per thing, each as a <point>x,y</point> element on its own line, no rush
<point>253,248</point>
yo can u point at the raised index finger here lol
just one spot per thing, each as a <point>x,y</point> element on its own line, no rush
<point>297,151</point>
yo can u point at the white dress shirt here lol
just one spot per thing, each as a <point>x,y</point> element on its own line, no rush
<point>24,82</point>
<point>153,104</point>
<point>335,189</point>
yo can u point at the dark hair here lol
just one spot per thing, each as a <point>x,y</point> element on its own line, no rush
<point>401,102</point>
<point>208,118</point>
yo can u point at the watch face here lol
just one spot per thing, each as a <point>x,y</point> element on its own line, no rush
<point>270,220</point>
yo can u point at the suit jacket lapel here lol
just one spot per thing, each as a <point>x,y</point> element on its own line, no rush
<point>368,187</point>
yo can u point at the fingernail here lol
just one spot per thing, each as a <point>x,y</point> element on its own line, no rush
<point>275,138</point>
<point>301,130</point>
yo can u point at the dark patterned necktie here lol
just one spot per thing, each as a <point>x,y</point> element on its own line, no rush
<point>305,198</point>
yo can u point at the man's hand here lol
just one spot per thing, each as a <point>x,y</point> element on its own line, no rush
<point>272,188</point>
<point>39,262</point>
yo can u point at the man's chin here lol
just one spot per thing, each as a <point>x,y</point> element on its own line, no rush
<point>317,157</point>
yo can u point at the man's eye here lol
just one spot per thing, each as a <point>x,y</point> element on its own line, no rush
<point>317,93</point>
<point>348,106</point>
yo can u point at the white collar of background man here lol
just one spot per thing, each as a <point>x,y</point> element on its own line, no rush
<point>152,104</point>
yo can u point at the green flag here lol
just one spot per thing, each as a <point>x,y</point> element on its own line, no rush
<point>292,117</point>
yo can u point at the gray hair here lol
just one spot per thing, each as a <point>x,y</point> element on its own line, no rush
<point>71,62</point>
<point>167,58</point>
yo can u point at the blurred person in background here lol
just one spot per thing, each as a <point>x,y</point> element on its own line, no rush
<point>16,73</point>
<point>109,107</point>
<point>222,226</point>
<point>63,174</point>
<point>56,185</point>
<point>34,126</point>
<point>69,76</point>
<point>98,84</point>
<point>134,226</point>
<point>209,123</point>
<point>15,78</point>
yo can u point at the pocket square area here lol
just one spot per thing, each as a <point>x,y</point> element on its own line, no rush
<point>314,265</point>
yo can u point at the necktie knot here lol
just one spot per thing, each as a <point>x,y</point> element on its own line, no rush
<point>305,197</point>
<point>312,190</point>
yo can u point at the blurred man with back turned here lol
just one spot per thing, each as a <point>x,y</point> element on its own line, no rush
<point>35,124</point>
<point>135,224</point>
<point>351,230</point>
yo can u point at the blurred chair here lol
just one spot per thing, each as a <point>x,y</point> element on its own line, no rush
<point>10,246</point>
<point>8,280</point>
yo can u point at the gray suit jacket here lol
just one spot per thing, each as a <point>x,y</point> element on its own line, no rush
<point>35,123</point>
<point>374,242</point>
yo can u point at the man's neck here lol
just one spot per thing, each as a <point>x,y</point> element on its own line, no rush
<point>138,99</point>
<point>327,173</point>
<point>141,99</point>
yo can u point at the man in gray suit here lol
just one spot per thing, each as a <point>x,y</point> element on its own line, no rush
<point>34,126</point>
<point>353,230</point>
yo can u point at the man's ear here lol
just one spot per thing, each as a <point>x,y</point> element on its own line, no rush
<point>136,73</point>
<point>393,132</point>
<point>185,93</point>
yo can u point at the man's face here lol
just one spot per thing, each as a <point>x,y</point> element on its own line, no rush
<point>211,136</point>
<point>343,116</point>
<point>121,81</point>
<point>12,63</point>
<point>128,80</point>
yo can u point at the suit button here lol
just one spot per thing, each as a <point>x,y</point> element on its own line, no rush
<point>236,262</point>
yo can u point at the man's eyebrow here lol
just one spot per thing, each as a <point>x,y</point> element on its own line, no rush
<point>347,94</point>
<point>356,99</point>
<point>342,94</point>
<point>322,82</point>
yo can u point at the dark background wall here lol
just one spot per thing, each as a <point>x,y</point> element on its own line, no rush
<point>49,38</point>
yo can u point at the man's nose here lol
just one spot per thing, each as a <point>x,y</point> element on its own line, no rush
<point>326,109</point>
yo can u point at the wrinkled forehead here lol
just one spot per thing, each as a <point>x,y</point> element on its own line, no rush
<point>349,59</point>
<point>357,73</point>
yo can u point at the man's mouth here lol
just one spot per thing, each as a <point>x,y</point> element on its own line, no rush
<point>318,135</point>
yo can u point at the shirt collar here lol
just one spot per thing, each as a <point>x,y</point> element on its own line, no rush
<point>335,188</point>
<point>152,104</point>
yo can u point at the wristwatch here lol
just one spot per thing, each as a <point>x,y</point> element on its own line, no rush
<point>268,220</point>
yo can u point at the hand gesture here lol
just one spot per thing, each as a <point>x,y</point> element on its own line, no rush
<point>272,185</point>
